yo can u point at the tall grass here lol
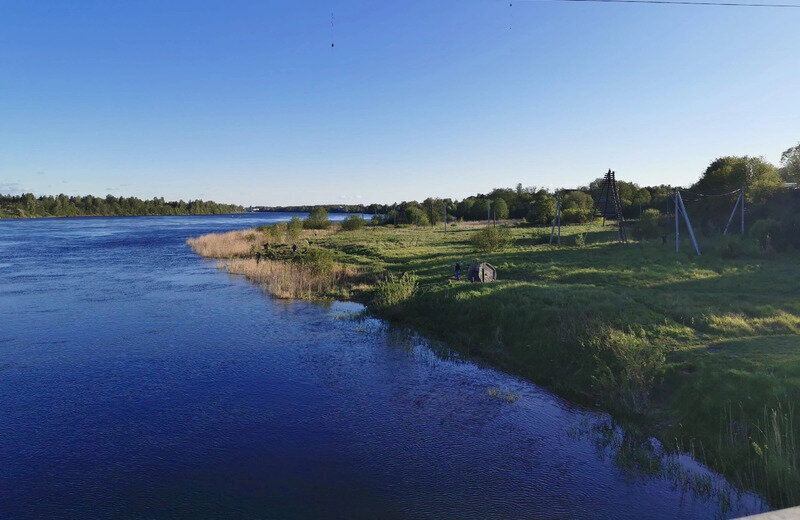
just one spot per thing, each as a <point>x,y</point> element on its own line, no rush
<point>765,451</point>
<point>394,291</point>
<point>295,280</point>
<point>233,244</point>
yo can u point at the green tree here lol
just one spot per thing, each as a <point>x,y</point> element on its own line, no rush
<point>759,178</point>
<point>317,219</point>
<point>576,206</point>
<point>500,210</point>
<point>642,198</point>
<point>417,216</point>
<point>478,210</point>
<point>542,208</point>
<point>790,164</point>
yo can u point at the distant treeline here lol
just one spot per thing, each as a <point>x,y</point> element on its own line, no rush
<point>772,209</point>
<point>28,205</point>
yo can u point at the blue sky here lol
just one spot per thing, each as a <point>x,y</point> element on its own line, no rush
<point>248,102</point>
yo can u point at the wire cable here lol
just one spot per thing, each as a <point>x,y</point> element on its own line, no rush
<point>678,2</point>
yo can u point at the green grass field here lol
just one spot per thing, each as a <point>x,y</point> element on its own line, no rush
<point>702,352</point>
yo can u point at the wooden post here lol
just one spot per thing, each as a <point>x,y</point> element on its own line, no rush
<point>445,217</point>
<point>488,212</point>
<point>688,225</point>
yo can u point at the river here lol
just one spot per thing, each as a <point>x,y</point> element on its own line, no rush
<point>139,381</point>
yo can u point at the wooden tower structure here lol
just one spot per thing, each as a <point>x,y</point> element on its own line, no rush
<point>608,204</point>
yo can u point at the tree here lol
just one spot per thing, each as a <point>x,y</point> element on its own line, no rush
<point>542,208</point>
<point>576,206</point>
<point>790,164</point>
<point>478,210</point>
<point>719,187</point>
<point>500,209</point>
<point>416,216</point>
<point>317,219</point>
<point>642,198</point>
<point>759,178</point>
<point>434,209</point>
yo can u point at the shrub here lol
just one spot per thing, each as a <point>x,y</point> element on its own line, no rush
<point>294,227</point>
<point>649,225</point>
<point>732,246</point>
<point>376,220</point>
<point>317,260</point>
<point>353,223</point>
<point>317,219</point>
<point>575,215</point>
<point>277,231</point>
<point>764,231</point>
<point>395,290</point>
<point>576,206</point>
<point>491,239</point>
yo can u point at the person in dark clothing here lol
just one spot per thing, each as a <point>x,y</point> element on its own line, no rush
<point>458,271</point>
<point>294,248</point>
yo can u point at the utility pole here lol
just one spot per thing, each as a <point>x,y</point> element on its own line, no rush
<point>679,200</point>
<point>445,217</point>
<point>556,220</point>
<point>739,200</point>
<point>742,211</point>
<point>677,224</point>
<point>488,212</point>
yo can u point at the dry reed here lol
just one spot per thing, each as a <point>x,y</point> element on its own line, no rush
<point>289,280</point>
<point>233,244</point>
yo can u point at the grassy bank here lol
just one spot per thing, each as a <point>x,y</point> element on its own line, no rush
<point>703,351</point>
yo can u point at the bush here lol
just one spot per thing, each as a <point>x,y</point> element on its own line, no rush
<point>732,246</point>
<point>576,206</point>
<point>395,290</point>
<point>316,259</point>
<point>294,228</point>
<point>376,220</point>
<point>353,223</point>
<point>317,219</point>
<point>765,231</point>
<point>649,225</point>
<point>491,239</point>
<point>417,217</point>
<point>277,231</point>
<point>575,215</point>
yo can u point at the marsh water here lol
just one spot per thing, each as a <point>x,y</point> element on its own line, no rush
<point>139,381</point>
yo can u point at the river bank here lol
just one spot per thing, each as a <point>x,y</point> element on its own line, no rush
<point>699,350</point>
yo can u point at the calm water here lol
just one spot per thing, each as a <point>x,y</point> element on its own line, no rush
<point>138,381</point>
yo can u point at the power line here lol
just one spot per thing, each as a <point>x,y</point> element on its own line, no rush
<point>676,2</point>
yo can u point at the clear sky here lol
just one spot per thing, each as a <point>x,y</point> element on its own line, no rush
<point>248,102</point>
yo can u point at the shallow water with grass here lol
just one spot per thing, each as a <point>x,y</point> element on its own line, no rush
<point>139,381</point>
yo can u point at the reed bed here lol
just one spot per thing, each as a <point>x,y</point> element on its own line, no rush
<point>233,244</point>
<point>290,280</point>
